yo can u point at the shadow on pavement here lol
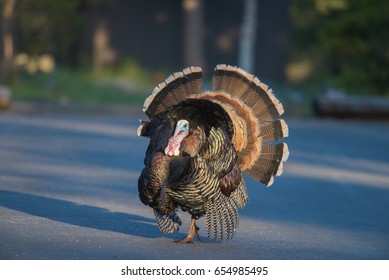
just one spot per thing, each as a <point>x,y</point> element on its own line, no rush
<point>79,215</point>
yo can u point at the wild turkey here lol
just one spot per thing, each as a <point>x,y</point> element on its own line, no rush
<point>201,142</point>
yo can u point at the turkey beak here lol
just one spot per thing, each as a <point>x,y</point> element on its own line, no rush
<point>180,129</point>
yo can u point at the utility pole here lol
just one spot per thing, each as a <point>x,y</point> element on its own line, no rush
<point>247,36</point>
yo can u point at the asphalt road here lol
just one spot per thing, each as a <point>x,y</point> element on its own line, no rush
<point>68,190</point>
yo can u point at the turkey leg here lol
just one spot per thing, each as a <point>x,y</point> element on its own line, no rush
<point>192,233</point>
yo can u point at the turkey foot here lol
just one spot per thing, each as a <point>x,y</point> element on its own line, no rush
<point>193,231</point>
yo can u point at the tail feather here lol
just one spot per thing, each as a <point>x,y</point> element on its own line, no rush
<point>144,128</point>
<point>264,171</point>
<point>167,223</point>
<point>278,152</point>
<point>218,77</point>
<point>239,196</point>
<point>231,79</point>
<point>221,218</point>
<point>255,112</point>
<point>274,131</point>
<point>270,163</point>
<point>193,80</point>
<point>268,111</point>
<point>176,88</point>
<point>248,88</point>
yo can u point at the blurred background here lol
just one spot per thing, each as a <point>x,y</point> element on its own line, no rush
<point>74,76</point>
<point>321,57</point>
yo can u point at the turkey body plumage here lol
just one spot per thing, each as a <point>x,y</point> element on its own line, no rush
<point>201,142</point>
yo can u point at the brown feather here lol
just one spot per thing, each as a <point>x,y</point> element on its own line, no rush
<point>273,131</point>
<point>176,88</point>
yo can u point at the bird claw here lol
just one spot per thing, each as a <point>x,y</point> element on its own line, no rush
<point>193,232</point>
<point>186,239</point>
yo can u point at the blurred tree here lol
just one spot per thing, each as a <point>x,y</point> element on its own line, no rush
<point>53,27</point>
<point>193,33</point>
<point>103,55</point>
<point>7,37</point>
<point>343,42</point>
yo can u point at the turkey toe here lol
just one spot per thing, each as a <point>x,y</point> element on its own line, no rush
<point>193,232</point>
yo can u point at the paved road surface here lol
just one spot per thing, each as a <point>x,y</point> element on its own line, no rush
<point>68,190</point>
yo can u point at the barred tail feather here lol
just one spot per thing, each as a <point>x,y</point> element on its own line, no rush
<point>176,88</point>
<point>274,131</point>
<point>221,218</point>
<point>231,79</point>
<point>167,223</point>
<point>239,196</point>
<point>248,88</point>
<point>270,163</point>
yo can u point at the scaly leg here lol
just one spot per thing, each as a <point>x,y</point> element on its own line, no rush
<point>193,232</point>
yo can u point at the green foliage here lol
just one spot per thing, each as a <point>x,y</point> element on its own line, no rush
<point>47,26</point>
<point>130,70</point>
<point>65,85</point>
<point>347,42</point>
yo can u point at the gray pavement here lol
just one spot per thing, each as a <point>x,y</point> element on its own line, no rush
<point>68,190</point>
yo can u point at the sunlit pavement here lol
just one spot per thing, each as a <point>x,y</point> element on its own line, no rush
<point>68,190</point>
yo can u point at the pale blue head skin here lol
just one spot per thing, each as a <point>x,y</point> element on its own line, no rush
<point>182,125</point>
<point>174,142</point>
